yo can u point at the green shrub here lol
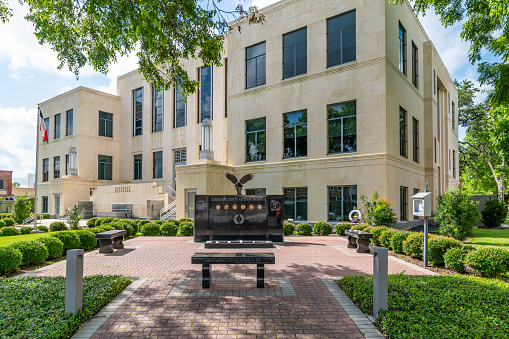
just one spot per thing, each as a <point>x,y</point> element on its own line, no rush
<point>96,230</point>
<point>139,234</point>
<point>456,214</point>
<point>45,216</point>
<point>70,240</point>
<point>455,258</point>
<point>22,208</point>
<point>43,228</point>
<point>159,222</point>
<point>142,222</point>
<point>341,227</point>
<point>150,229</point>
<point>106,228</point>
<point>98,222</point>
<point>87,239</point>
<point>397,241</point>
<point>414,245</point>
<point>32,251</point>
<point>54,245</point>
<point>10,231</point>
<point>73,217</point>
<point>322,228</point>
<point>56,226</point>
<point>8,222</point>
<point>378,211</point>
<point>437,246</point>
<point>368,229</point>
<point>119,225</point>
<point>185,220</point>
<point>186,228</point>
<point>359,227</point>
<point>2,224</point>
<point>288,228</point>
<point>25,230</point>
<point>130,231</point>
<point>489,261</point>
<point>169,229</point>
<point>385,237</point>
<point>106,221</point>
<point>91,222</point>
<point>377,231</point>
<point>10,259</point>
<point>304,229</point>
<point>494,214</point>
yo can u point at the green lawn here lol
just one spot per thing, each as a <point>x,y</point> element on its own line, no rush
<point>489,237</point>
<point>438,307</point>
<point>6,241</point>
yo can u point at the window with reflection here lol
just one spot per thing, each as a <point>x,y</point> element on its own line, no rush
<point>342,127</point>
<point>138,159</point>
<point>157,110</point>
<point>256,191</point>
<point>295,53</point>
<point>255,140</point>
<point>69,122</point>
<point>105,169</point>
<point>255,65</point>
<point>341,39</point>
<point>157,170</point>
<point>45,169</point>
<point>342,200</point>
<point>56,167</point>
<point>179,109</point>
<point>296,203</point>
<point>57,126</point>
<point>205,94</point>
<point>138,111</point>
<point>295,134</point>
<point>402,132</point>
<point>402,48</point>
<point>105,124</point>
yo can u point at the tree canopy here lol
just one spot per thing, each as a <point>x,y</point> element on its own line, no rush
<point>161,32</point>
<point>485,27</point>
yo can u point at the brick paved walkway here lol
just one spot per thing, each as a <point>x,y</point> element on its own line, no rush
<point>152,313</point>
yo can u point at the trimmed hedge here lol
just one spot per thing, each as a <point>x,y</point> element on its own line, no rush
<point>385,237</point>
<point>288,228</point>
<point>359,227</point>
<point>159,222</point>
<point>10,259</point>
<point>494,214</point>
<point>438,246</point>
<point>32,251</point>
<point>142,222</point>
<point>489,261</point>
<point>8,222</point>
<point>186,228</point>
<point>169,229</point>
<point>414,245</point>
<point>10,231</point>
<point>377,231</point>
<point>91,222</point>
<point>25,230</point>
<point>106,220</point>
<point>70,240</point>
<point>2,225</point>
<point>304,229</point>
<point>55,246</point>
<point>96,230</point>
<point>87,239</point>
<point>322,228</point>
<point>150,229</point>
<point>185,220</point>
<point>57,226</point>
<point>455,258</point>
<point>43,228</point>
<point>397,241</point>
<point>341,227</point>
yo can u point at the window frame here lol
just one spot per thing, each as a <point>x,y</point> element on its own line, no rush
<point>257,132</point>
<point>138,166</point>
<point>137,130</point>
<point>45,169</point>
<point>57,125</point>
<point>154,167</point>
<point>403,203</point>
<point>342,128</point>
<point>56,167</point>
<point>108,167</point>
<point>403,132</point>
<point>342,194</point>
<point>1,184</point>
<point>67,163</point>
<point>295,202</point>
<point>294,127</point>
<point>453,117</point>
<point>294,46</point>
<point>402,48</point>
<point>415,141</point>
<point>264,55</point>
<point>341,49</point>
<point>225,87</point>
<point>69,122</point>
<point>415,65</point>
<point>176,96</point>
<point>46,123</point>
<point>44,204</point>
<point>200,93</point>
<point>155,116</point>
<point>454,164</point>
<point>105,122</point>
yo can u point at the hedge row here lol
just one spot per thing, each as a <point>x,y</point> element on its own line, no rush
<point>183,227</point>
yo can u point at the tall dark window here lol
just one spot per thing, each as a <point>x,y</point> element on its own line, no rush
<point>435,149</point>
<point>69,122</point>
<point>402,48</point>
<point>296,203</point>
<point>45,169</point>
<point>295,134</point>
<point>255,140</point>
<point>454,164</point>
<point>453,117</point>
<point>1,184</point>
<point>105,168</point>
<point>438,115</point>
<point>67,164</point>
<point>403,132</point>
<point>415,128</point>
<point>179,109</point>
<point>138,111</point>
<point>157,110</point>
<point>256,191</point>
<point>56,167</point>
<point>295,53</point>
<point>342,200</point>
<point>434,82</point>
<point>44,204</point>
<point>105,124</point>
<point>341,39</point>
<point>57,126</point>
<point>342,127</point>
<point>403,203</point>
<point>46,122</point>
<point>226,87</point>
<point>415,65</point>
<point>255,65</point>
<point>205,94</point>
<point>138,158</point>
<point>157,170</point>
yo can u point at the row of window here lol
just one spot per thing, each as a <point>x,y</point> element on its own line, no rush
<point>403,143</point>
<point>58,122</point>
<point>56,167</point>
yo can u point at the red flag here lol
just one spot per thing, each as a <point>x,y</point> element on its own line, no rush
<point>42,127</point>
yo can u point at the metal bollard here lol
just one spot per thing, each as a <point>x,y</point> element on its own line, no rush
<point>74,281</point>
<point>380,279</point>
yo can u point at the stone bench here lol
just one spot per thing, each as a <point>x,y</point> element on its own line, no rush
<point>110,240</point>
<point>207,259</point>
<point>359,240</point>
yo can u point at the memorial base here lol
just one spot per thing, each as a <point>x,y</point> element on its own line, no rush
<point>238,244</point>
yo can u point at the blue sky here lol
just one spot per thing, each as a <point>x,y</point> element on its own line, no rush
<point>29,74</point>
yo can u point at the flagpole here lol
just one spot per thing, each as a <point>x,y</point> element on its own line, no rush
<point>36,166</point>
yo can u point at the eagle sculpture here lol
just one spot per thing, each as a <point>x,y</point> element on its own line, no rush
<point>239,183</point>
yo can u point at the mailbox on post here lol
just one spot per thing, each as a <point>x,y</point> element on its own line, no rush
<point>422,204</point>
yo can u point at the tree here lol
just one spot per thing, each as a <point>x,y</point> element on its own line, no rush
<point>378,211</point>
<point>485,27</point>
<point>21,208</point>
<point>16,184</point>
<point>73,218</point>
<point>161,32</point>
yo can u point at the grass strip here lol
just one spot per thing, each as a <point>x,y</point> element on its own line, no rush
<point>490,237</point>
<point>436,307</point>
<point>34,307</point>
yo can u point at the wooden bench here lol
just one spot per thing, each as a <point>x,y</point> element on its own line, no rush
<point>359,240</point>
<point>207,259</point>
<point>110,239</point>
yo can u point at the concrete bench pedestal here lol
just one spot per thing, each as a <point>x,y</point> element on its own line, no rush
<point>110,240</point>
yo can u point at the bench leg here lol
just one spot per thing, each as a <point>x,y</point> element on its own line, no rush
<point>105,246</point>
<point>260,276</point>
<point>351,242</point>
<point>205,276</point>
<point>363,245</point>
<point>118,242</point>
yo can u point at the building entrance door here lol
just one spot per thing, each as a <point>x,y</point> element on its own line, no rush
<point>190,195</point>
<point>57,204</point>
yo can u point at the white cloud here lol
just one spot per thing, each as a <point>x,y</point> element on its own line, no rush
<point>17,153</point>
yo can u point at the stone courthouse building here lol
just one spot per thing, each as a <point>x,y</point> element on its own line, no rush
<point>326,101</point>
